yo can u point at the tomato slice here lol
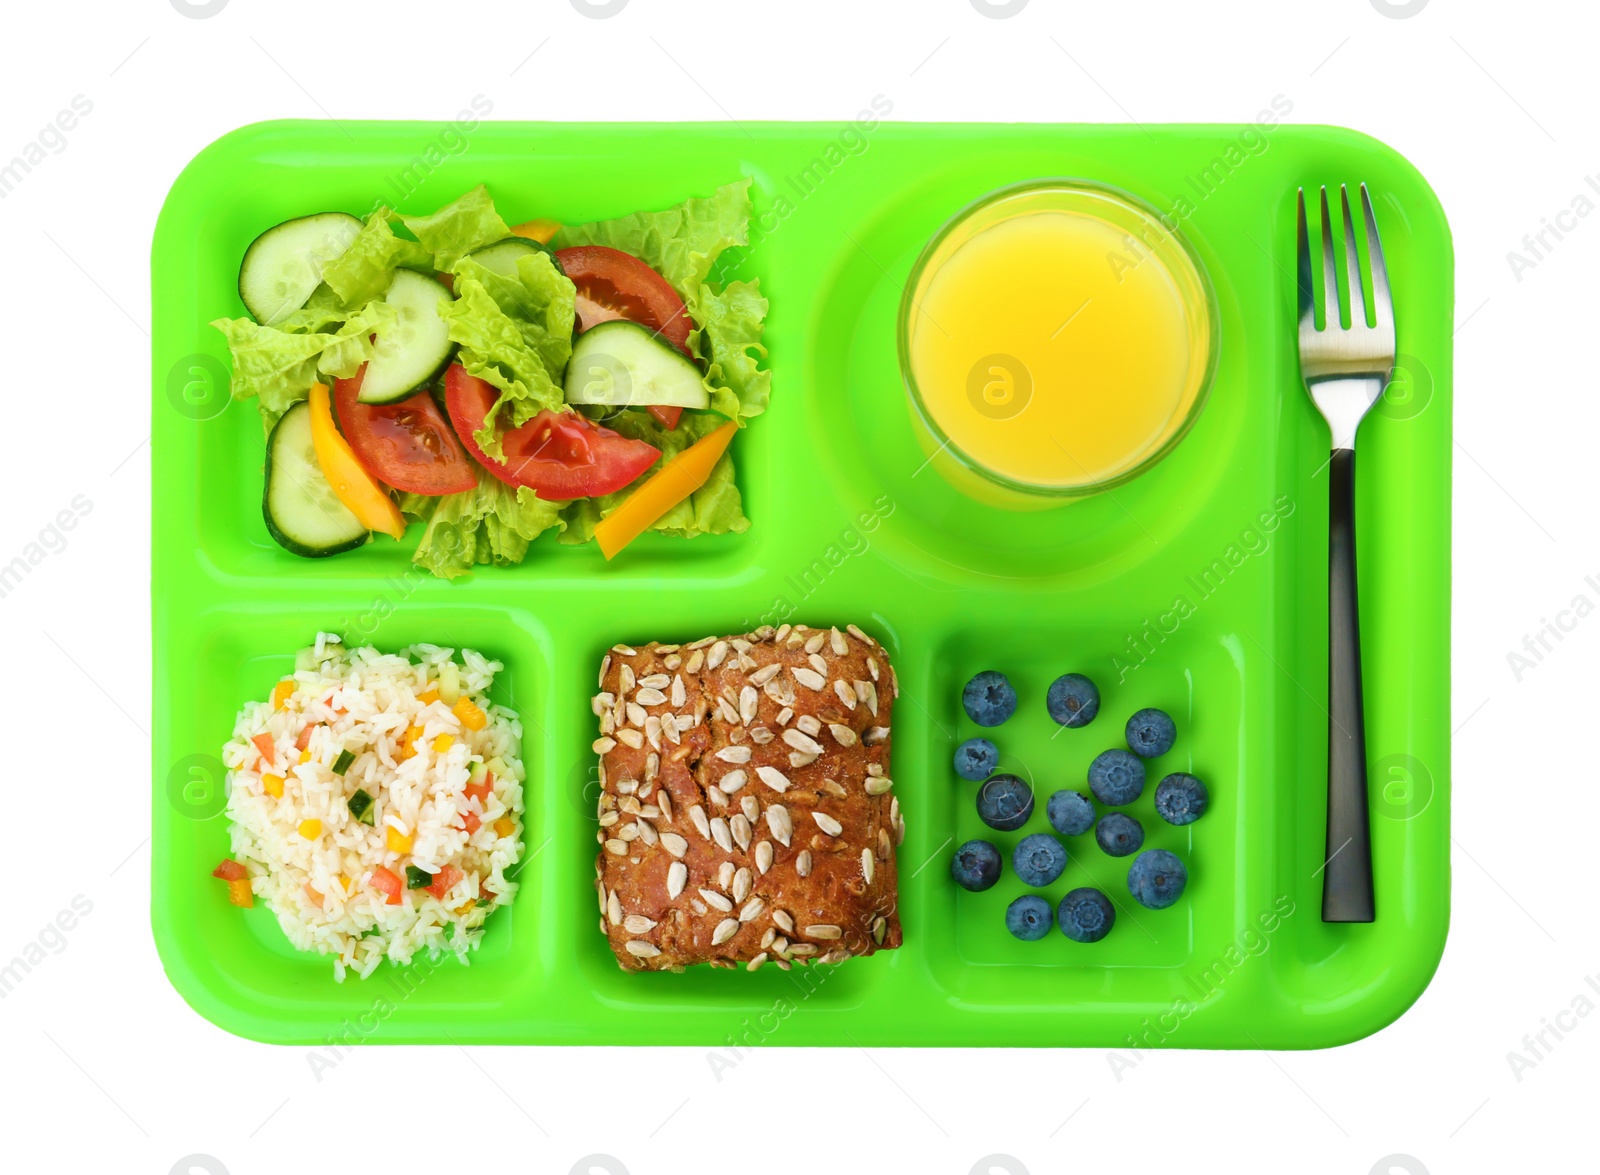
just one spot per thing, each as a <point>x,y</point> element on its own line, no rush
<point>230,870</point>
<point>613,284</point>
<point>443,881</point>
<point>407,445</point>
<point>389,884</point>
<point>559,456</point>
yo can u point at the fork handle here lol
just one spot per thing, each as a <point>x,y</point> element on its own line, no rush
<point>1347,876</point>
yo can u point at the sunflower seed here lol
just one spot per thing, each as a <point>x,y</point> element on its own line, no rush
<point>859,635</point>
<point>801,758</point>
<point>748,700</point>
<point>734,754</point>
<point>677,878</point>
<point>727,712</point>
<point>626,787</point>
<point>742,881</point>
<point>780,824</point>
<point>802,863</point>
<point>631,737</point>
<point>647,833</point>
<point>701,643</point>
<point>719,652</point>
<point>781,919</point>
<point>751,910</point>
<point>879,925</point>
<point>725,875</point>
<point>614,908</point>
<point>780,945</point>
<point>766,673</point>
<point>696,660</point>
<point>638,924</point>
<point>655,681</point>
<point>697,815</point>
<point>750,807</point>
<point>871,698</point>
<point>607,819</point>
<point>628,832</point>
<point>846,694</point>
<point>819,664</point>
<point>866,865</point>
<point>737,735</point>
<point>755,963</point>
<point>625,680</point>
<point>674,844</point>
<point>717,796</point>
<point>697,906</point>
<point>746,662</point>
<point>600,703</point>
<point>837,955</point>
<point>672,661</point>
<point>720,834</point>
<point>713,898</point>
<point>823,930</point>
<point>733,781</point>
<point>760,735</point>
<point>809,678</point>
<point>669,728</point>
<point>885,849</point>
<point>767,937</point>
<point>784,715</point>
<point>814,645</point>
<point>741,644</point>
<point>603,746</point>
<point>629,804</point>
<point>839,644</point>
<point>827,823</point>
<point>783,631</point>
<point>665,803</point>
<point>764,856</point>
<point>773,778</point>
<point>809,724</point>
<point>680,693</point>
<point>652,731</point>
<point>842,735</point>
<point>801,741</point>
<point>877,785</point>
<point>636,714</point>
<point>608,723</point>
<point>739,826</point>
<point>617,848</point>
<point>605,667</point>
<point>875,735</point>
<point>725,930</point>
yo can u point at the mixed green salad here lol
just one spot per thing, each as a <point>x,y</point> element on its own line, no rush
<point>497,382</point>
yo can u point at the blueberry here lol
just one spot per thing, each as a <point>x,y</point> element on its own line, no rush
<point>976,759</point>
<point>1116,777</point>
<point>1005,802</point>
<point>1039,859</point>
<point>976,865</point>
<point>1028,917</point>
<point>1086,915</point>
<point>1118,834</point>
<point>1151,733</point>
<point>1181,798</point>
<point>1070,813</point>
<point>1073,700</point>
<point>989,699</point>
<point>1156,879</point>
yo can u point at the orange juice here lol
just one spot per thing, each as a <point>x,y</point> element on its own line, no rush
<point>1057,339</point>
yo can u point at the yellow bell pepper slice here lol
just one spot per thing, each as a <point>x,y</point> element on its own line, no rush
<point>356,488</point>
<point>674,482</point>
<point>540,230</point>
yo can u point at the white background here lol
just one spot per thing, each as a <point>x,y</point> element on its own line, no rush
<point>106,1068</point>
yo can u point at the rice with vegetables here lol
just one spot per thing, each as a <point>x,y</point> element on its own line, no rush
<point>376,803</point>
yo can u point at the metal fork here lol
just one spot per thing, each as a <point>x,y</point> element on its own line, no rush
<point>1345,369</point>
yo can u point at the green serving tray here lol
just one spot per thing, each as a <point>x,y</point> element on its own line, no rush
<point>1199,587</point>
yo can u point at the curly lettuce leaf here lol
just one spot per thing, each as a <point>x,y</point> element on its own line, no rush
<point>365,270</point>
<point>466,223</point>
<point>715,508</point>
<point>682,244</point>
<point>491,524</point>
<point>277,365</point>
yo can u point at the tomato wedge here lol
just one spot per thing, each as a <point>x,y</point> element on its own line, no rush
<point>408,445</point>
<point>559,456</point>
<point>613,284</point>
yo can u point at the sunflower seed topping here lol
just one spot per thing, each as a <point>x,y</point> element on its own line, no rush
<point>677,878</point>
<point>617,848</point>
<point>780,824</point>
<point>674,844</point>
<point>801,758</point>
<point>752,910</point>
<point>630,736</point>
<point>748,700</point>
<point>866,865</point>
<point>755,963</point>
<point>734,754</point>
<point>603,745</point>
<point>879,925</point>
<point>773,778</point>
<point>713,898</point>
<point>809,678</point>
<point>827,823</point>
<point>859,635</point>
<point>766,673</point>
<point>875,735</point>
<point>739,826</point>
<point>725,930</point>
<point>751,807</point>
<point>638,924</point>
<point>760,735</point>
<point>802,863</point>
<point>809,724</point>
<point>720,834</point>
<point>877,785</point>
<point>717,796</point>
<point>733,781</point>
<point>819,664</point>
<point>641,949</point>
<point>823,930</point>
<point>764,856</point>
<point>801,741</point>
<point>605,667</point>
<point>718,654</point>
<point>614,908</point>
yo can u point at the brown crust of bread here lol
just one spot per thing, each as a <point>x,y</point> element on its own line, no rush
<point>750,772</point>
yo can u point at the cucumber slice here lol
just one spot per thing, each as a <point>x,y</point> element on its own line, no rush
<point>501,257</point>
<point>412,354</point>
<point>621,364</point>
<point>303,513</point>
<point>284,264</point>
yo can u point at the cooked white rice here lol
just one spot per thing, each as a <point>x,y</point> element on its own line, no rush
<point>322,887</point>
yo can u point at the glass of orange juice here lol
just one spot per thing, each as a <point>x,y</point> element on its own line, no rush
<point>1056,339</point>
